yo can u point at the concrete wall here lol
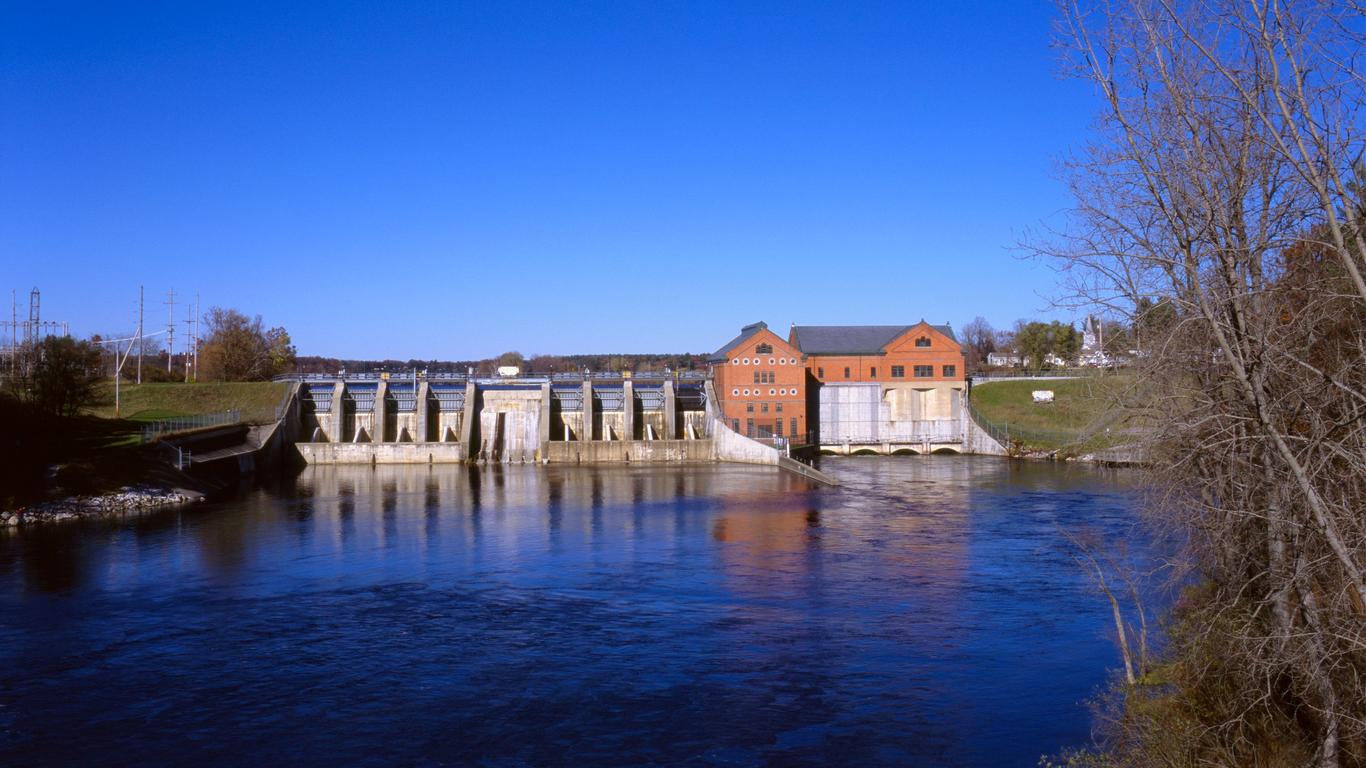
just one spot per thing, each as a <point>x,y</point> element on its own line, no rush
<point>874,413</point>
<point>381,453</point>
<point>730,445</point>
<point>656,421</point>
<point>976,440</point>
<point>570,426</point>
<point>510,425</point>
<point>697,420</point>
<point>638,451</point>
<point>447,426</point>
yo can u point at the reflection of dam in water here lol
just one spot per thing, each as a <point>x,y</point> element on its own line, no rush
<point>924,612</point>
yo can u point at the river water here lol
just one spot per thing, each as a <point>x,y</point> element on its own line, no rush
<point>926,612</point>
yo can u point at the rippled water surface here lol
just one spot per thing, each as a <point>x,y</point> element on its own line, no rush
<point>925,613</point>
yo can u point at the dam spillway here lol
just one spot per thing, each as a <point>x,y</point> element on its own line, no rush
<point>564,418</point>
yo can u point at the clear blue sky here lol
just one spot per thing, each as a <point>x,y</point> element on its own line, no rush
<point>455,179</point>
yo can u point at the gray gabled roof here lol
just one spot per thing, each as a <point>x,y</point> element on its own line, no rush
<point>745,333</point>
<point>852,339</point>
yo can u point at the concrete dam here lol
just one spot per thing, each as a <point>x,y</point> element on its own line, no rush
<point>561,419</point>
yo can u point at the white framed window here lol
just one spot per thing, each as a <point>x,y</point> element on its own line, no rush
<point>736,361</point>
<point>770,361</point>
<point>735,393</point>
<point>746,361</point>
<point>772,392</point>
<point>747,393</point>
<point>782,361</point>
<point>793,361</point>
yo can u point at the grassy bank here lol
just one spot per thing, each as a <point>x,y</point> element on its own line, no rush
<point>144,402</point>
<point>1086,413</point>
<point>43,456</point>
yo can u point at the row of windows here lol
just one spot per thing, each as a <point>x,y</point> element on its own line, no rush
<point>899,372</point>
<point>758,361</point>
<point>764,430</point>
<point>780,392</point>
<point>763,407</point>
<point>765,377</point>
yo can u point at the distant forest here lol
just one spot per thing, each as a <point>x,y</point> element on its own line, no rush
<point>534,364</point>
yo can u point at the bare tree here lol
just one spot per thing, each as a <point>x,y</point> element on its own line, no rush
<point>979,340</point>
<point>1221,186</point>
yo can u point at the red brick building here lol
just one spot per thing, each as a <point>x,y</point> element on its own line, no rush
<point>882,384</point>
<point>893,354</point>
<point>761,385</point>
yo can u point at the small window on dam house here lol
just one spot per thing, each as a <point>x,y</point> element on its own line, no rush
<point>820,373</point>
<point>846,371</point>
<point>950,371</point>
<point>764,349</point>
<point>898,371</point>
<point>872,372</point>
<point>923,341</point>
<point>749,407</point>
<point>924,371</point>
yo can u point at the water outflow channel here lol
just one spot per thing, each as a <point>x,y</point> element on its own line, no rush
<point>926,612</point>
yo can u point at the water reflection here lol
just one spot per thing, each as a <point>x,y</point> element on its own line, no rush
<point>923,613</point>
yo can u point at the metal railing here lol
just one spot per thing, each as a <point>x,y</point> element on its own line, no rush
<point>1010,436</point>
<point>154,429</point>
<point>879,431</point>
<point>573,376</point>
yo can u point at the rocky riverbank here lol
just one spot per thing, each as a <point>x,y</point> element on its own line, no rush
<point>125,500</point>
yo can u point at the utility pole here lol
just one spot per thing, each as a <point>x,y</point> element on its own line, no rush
<point>139,335</point>
<point>190,340</point>
<point>170,331</point>
<point>13,333</point>
<point>196,336</point>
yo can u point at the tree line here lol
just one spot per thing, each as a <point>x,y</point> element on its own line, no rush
<point>634,362</point>
<point>1039,344</point>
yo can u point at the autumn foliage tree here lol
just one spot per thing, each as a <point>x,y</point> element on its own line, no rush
<point>239,348</point>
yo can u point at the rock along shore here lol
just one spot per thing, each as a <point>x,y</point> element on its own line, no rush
<point>139,498</point>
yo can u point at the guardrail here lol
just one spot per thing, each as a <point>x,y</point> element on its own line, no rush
<point>1012,435</point>
<point>154,429</point>
<point>401,376</point>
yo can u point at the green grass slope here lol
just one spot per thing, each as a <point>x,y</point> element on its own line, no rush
<point>145,402</point>
<point>1086,413</point>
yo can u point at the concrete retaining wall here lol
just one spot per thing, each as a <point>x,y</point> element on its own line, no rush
<point>976,440</point>
<point>636,451</point>
<point>381,453</point>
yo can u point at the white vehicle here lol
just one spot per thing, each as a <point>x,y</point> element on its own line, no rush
<point>1043,395</point>
<point>508,370</point>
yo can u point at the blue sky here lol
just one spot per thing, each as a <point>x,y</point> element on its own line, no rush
<point>453,180</point>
